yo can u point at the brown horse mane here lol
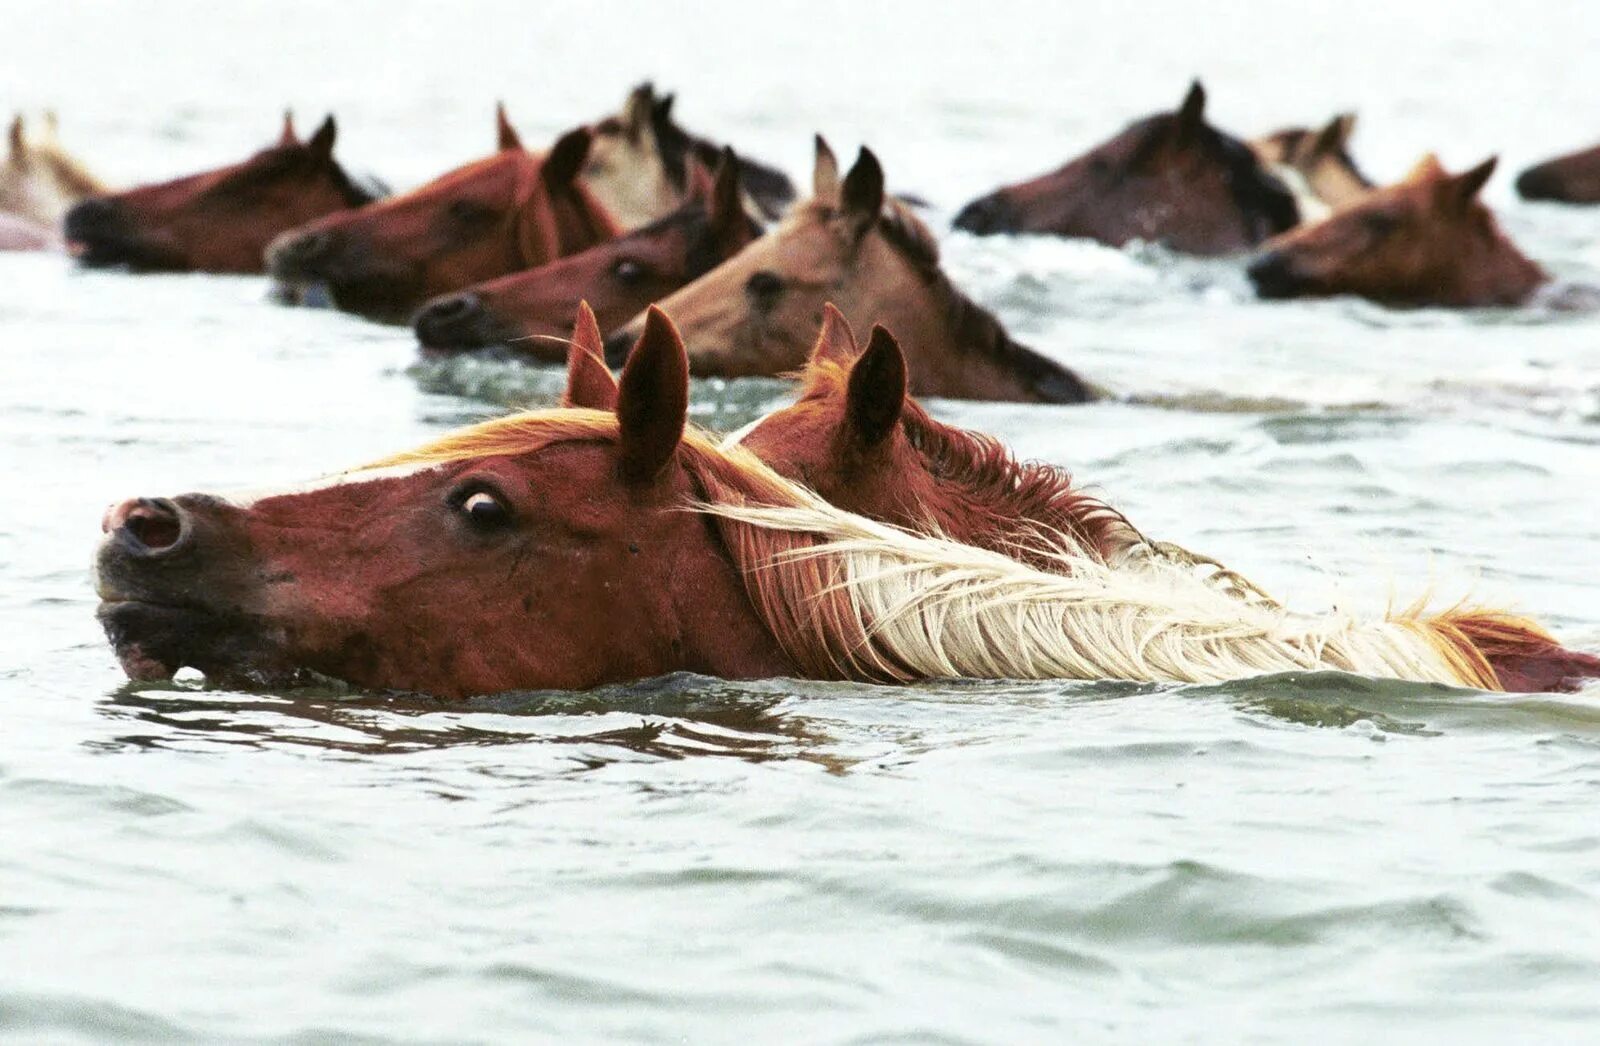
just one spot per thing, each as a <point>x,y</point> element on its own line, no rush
<point>277,160</point>
<point>973,328</point>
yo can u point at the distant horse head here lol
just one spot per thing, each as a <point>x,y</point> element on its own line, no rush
<point>40,181</point>
<point>757,313</point>
<point>1427,240</point>
<point>639,165</point>
<point>1171,178</point>
<point>533,311</point>
<point>1319,161</point>
<point>509,212</point>
<point>1573,178</point>
<point>219,220</point>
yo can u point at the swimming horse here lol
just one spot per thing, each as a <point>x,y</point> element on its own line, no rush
<point>1571,178</point>
<point>1428,240</point>
<point>219,220</point>
<point>757,313</point>
<point>569,548</point>
<point>1171,178</point>
<point>1316,166</point>
<point>511,211</point>
<point>533,311</point>
<point>39,182</point>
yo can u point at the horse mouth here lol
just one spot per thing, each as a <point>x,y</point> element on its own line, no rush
<point>152,641</point>
<point>112,251</point>
<point>378,297</point>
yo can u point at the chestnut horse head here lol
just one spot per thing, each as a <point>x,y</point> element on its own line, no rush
<point>40,181</point>
<point>1428,240</point>
<point>220,220</point>
<point>533,311</point>
<point>511,211</point>
<point>1171,178</point>
<point>547,549</point>
<point>639,165</point>
<point>1573,178</point>
<point>756,313</point>
<point>1319,161</point>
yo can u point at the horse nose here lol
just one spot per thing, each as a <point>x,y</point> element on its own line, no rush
<point>986,215</point>
<point>1539,183</point>
<point>148,528</point>
<point>1274,276</point>
<point>305,246</point>
<point>88,217</point>
<point>449,322</point>
<point>618,345</point>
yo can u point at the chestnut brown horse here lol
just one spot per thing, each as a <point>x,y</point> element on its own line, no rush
<point>1316,165</point>
<point>1427,240</point>
<point>1573,178</point>
<point>639,164</point>
<point>219,220</point>
<point>512,211</point>
<point>533,311</point>
<point>40,181</point>
<point>757,313</point>
<point>572,548</point>
<point>1171,178</point>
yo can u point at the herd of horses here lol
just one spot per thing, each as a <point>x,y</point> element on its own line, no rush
<point>848,535</point>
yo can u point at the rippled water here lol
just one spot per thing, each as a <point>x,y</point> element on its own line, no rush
<point>1290,858</point>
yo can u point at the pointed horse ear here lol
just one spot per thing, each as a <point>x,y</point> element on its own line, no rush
<point>566,158</point>
<point>1333,138</point>
<point>825,174</point>
<point>836,342</point>
<point>321,143</point>
<point>698,182</point>
<point>505,136</point>
<point>877,393</point>
<point>1190,118</point>
<point>1455,193</point>
<point>861,198</point>
<point>589,380</point>
<point>731,228</point>
<point>661,112</point>
<point>19,146</point>
<point>636,111</point>
<point>1426,169</point>
<point>288,136</point>
<point>653,399</point>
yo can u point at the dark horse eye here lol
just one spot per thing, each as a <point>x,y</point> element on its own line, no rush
<point>484,509</point>
<point>628,271</point>
<point>764,285</point>
<point>1379,224</point>
<point>469,212</point>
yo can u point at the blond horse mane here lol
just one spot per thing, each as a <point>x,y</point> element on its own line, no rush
<point>850,598</point>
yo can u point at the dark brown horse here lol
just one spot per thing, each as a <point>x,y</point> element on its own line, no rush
<point>1427,240</point>
<point>509,212</point>
<point>533,311</point>
<point>1171,178</point>
<point>1573,178</point>
<point>220,220</point>
<point>757,313</point>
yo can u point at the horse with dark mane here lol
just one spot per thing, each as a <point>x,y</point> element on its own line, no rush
<point>757,313</point>
<point>1171,178</point>
<point>531,312</point>
<point>219,220</point>
<point>509,212</point>
<point>1428,240</point>
<point>570,548</point>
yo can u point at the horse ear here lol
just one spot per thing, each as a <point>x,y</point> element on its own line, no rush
<point>1190,118</point>
<point>877,392</point>
<point>731,228</point>
<point>19,146</point>
<point>589,380</point>
<point>699,183</point>
<point>653,399</point>
<point>52,124</point>
<point>1427,169</point>
<point>636,111</point>
<point>287,136</point>
<point>505,135</point>
<point>565,158</point>
<point>1456,192</point>
<point>825,174</point>
<point>661,114</point>
<point>836,342</point>
<point>321,143</point>
<point>1335,136</point>
<point>862,195</point>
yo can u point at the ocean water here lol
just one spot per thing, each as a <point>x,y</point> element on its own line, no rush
<point>1308,858</point>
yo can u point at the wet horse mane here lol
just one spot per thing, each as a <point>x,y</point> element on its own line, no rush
<point>273,162</point>
<point>1257,192</point>
<point>850,598</point>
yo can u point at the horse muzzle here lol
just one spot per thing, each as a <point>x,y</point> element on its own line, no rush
<point>1275,276</point>
<point>459,322</point>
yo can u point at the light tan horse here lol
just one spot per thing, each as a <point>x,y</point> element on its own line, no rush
<point>40,181</point>
<point>758,312</point>
<point>1316,165</point>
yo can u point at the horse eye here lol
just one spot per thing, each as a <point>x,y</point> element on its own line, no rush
<point>628,271</point>
<point>468,212</point>
<point>1380,224</point>
<point>484,509</point>
<point>764,284</point>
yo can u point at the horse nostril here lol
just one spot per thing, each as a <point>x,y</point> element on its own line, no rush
<point>448,323</point>
<point>618,345</point>
<point>88,216</point>
<point>147,527</point>
<point>453,307</point>
<point>988,214</point>
<point>308,245</point>
<point>1273,275</point>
